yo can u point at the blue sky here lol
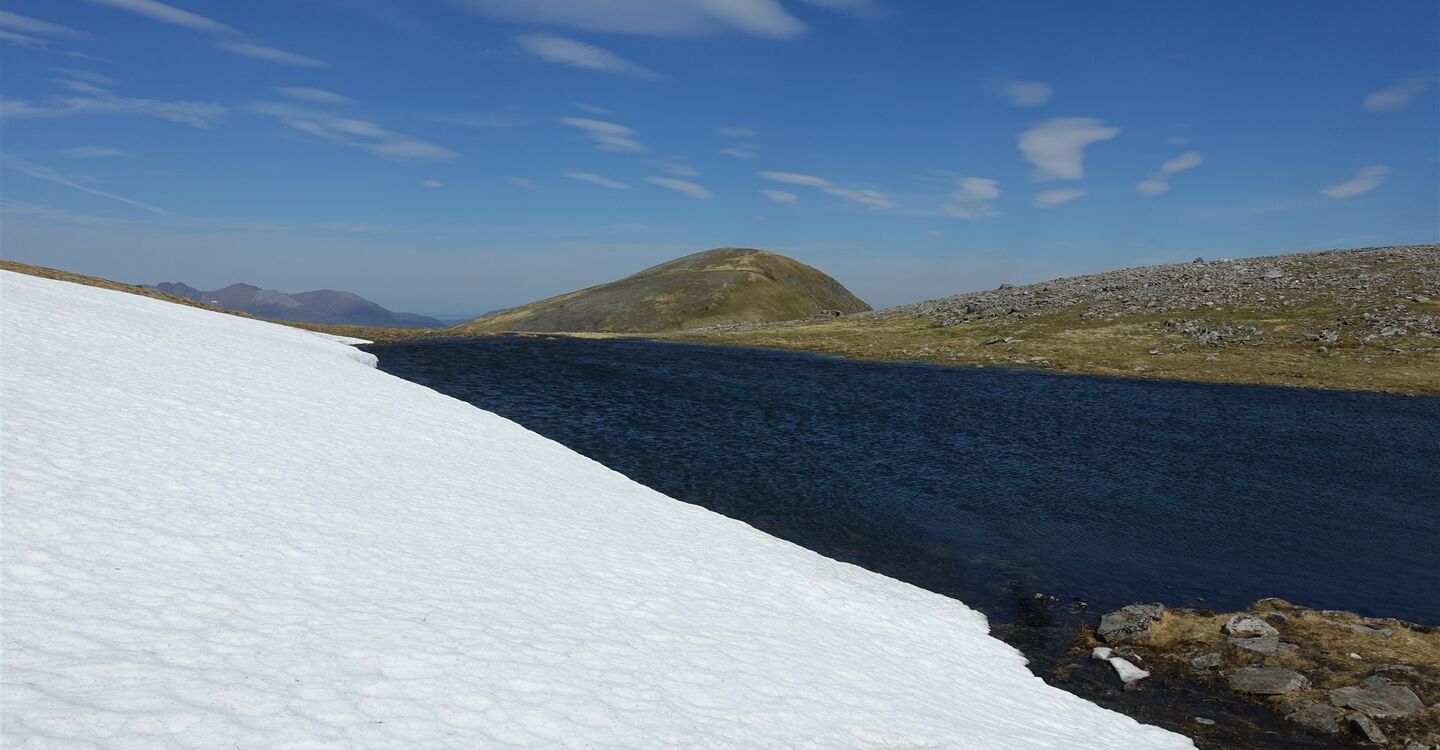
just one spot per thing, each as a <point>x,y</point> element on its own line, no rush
<point>455,156</point>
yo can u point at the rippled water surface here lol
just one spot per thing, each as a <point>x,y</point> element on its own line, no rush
<point>994,485</point>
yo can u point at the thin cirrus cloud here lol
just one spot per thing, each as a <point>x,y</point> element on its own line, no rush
<point>1397,96</point>
<point>742,151</point>
<point>1056,148</point>
<point>734,131</point>
<point>872,199</point>
<point>1367,179</point>
<point>313,96</point>
<point>34,27</point>
<point>779,196</point>
<point>675,167</point>
<point>972,200</point>
<point>353,133</point>
<point>93,152</point>
<point>432,184</point>
<point>1159,183</point>
<point>570,53</point>
<point>595,179</point>
<point>1053,198</point>
<point>97,101</point>
<point>163,13</point>
<point>41,172</point>
<point>523,182</point>
<point>684,187</point>
<point>169,14</point>
<point>663,18</point>
<point>608,136</point>
<point>270,54</point>
<point>1020,93</point>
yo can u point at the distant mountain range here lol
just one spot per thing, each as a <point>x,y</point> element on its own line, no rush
<point>320,306</point>
<point>715,287</point>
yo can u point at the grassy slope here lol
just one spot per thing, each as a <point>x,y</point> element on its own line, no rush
<point>728,285</point>
<point>1066,342</point>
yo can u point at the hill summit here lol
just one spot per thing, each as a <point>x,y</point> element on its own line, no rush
<point>725,285</point>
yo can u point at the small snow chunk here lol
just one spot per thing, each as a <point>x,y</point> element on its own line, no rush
<point>1128,672</point>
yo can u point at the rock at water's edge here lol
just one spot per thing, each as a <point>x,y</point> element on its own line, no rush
<point>1129,622</point>
<point>1267,680</point>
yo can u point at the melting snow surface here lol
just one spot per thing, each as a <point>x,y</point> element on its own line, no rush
<point>225,533</point>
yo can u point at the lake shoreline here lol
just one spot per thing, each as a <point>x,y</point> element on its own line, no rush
<point>1187,688</point>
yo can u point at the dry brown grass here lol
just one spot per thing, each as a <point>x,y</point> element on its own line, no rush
<point>1121,348</point>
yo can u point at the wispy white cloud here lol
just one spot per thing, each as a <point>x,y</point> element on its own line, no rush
<point>1188,160</point>
<point>972,200</point>
<point>684,187</point>
<point>873,199</point>
<point>766,18</point>
<point>1152,187</point>
<point>591,108</point>
<point>1398,95</point>
<point>432,184</point>
<point>47,174</point>
<point>1020,93</point>
<point>270,54</point>
<point>608,136</point>
<point>14,22</point>
<point>1159,183</point>
<point>24,40</point>
<point>1057,147</point>
<point>734,131</point>
<point>563,51</point>
<point>1367,179</point>
<point>158,11</point>
<point>595,179</point>
<point>1053,198</point>
<point>93,152</point>
<point>742,151</point>
<point>861,7</point>
<point>168,14</point>
<point>523,182</point>
<point>194,114</point>
<point>313,96</point>
<point>675,166</point>
<point>779,196</point>
<point>88,76</point>
<point>80,87</point>
<point>358,134</point>
<point>484,120</point>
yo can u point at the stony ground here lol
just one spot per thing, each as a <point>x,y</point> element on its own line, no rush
<point>1335,677</point>
<point>1365,319</point>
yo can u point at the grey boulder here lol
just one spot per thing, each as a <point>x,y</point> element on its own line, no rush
<point>1377,697</point>
<point>1245,626</point>
<point>1267,680</point>
<point>1129,622</point>
<point>1315,715</point>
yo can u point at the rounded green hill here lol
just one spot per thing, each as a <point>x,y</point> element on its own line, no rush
<point>725,285</point>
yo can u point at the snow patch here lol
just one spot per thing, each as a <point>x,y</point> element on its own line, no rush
<point>220,532</point>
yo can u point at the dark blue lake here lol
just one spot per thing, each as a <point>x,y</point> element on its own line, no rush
<point>992,486</point>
